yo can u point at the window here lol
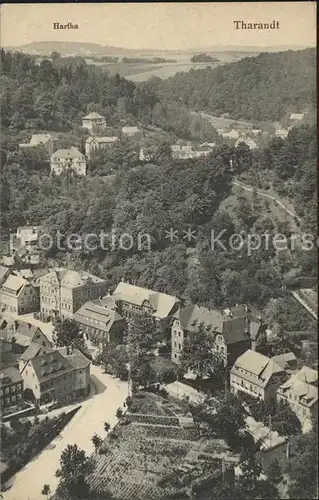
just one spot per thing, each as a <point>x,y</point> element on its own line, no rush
<point>179,346</point>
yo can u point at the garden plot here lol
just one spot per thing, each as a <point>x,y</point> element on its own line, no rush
<point>137,459</point>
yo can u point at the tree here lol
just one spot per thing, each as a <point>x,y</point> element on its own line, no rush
<point>68,333</point>
<point>75,467</point>
<point>250,472</point>
<point>199,354</point>
<point>302,467</point>
<point>274,472</point>
<point>229,421</point>
<point>97,441</point>
<point>46,490</point>
<point>119,413</point>
<point>107,427</point>
<point>142,371</point>
<point>141,332</point>
<point>285,421</point>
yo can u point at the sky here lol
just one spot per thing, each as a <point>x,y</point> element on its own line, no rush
<point>160,25</point>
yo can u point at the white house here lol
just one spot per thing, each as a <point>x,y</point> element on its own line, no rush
<point>93,122</point>
<point>282,133</point>
<point>96,143</point>
<point>39,140</point>
<point>130,131</point>
<point>68,160</point>
<point>233,134</point>
<point>297,117</point>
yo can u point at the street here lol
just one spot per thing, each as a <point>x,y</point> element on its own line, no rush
<point>110,394</point>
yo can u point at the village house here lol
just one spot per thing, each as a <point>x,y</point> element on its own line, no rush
<point>18,296</point>
<point>256,375</point>
<point>300,391</point>
<point>32,351</point>
<point>22,334</point>
<point>186,152</point>
<point>26,237</point>
<point>94,144</point>
<point>61,375</point>
<point>68,160</point>
<point>130,131</point>
<point>287,361</point>
<point>246,140</point>
<point>297,117</point>
<point>231,337</point>
<point>256,131</point>
<point>160,306</point>
<point>256,327</point>
<point>38,140</point>
<point>94,122</point>
<point>11,387</point>
<point>100,322</point>
<point>282,133</point>
<point>232,134</point>
<point>63,292</point>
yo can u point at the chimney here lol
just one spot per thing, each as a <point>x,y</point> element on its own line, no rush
<point>29,326</point>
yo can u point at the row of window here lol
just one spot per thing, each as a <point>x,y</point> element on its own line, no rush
<point>13,388</point>
<point>12,399</point>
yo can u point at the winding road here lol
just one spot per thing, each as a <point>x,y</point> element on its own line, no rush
<point>266,195</point>
<point>109,394</point>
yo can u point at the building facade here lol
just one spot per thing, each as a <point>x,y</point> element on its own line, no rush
<point>63,292</point>
<point>256,375</point>
<point>61,375</point>
<point>68,161</point>
<point>11,387</point>
<point>134,299</point>
<point>94,122</point>
<point>300,391</point>
<point>230,335</point>
<point>95,144</point>
<point>100,322</point>
<point>18,296</point>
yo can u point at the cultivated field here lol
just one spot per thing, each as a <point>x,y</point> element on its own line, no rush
<point>148,457</point>
<point>139,72</point>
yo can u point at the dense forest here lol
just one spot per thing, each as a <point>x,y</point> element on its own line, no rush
<point>55,95</point>
<point>266,87</point>
<point>155,198</point>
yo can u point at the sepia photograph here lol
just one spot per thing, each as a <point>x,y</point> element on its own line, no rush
<point>158,251</point>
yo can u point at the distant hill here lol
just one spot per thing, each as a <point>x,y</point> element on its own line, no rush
<point>265,87</point>
<point>76,48</point>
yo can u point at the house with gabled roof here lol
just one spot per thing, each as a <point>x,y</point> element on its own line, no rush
<point>63,291</point>
<point>94,144</point>
<point>68,160</point>
<point>22,334</point>
<point>300,391</point>
<point>60,375</point>
<point>230,335</point>
<point>256,375</point>
<point>93,122</point>
<point>18,296</point>
<point>100,321</point>
<point>160,306</point>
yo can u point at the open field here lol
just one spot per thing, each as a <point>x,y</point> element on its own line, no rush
<point>139,72</point>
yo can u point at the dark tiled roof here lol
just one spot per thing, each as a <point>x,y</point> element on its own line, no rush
<point>10,373</point>
<point>76,358</point>
<point>235,330</point>
<point>50,365</point>
<point>34,350</point>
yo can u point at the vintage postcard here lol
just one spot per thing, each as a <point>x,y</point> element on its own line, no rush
<point>158,251</point>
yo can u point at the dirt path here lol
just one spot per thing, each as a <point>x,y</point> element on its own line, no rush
<point>266,195</point>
